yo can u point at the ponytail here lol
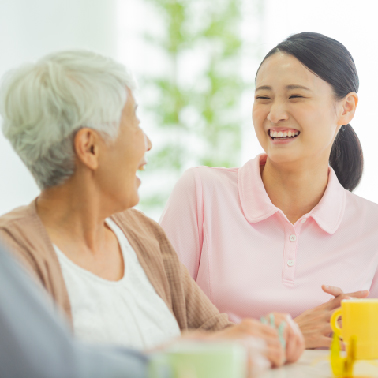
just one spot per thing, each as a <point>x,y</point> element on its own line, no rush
<point>346,158</point>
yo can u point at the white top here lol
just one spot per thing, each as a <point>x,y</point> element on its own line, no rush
<point>127,312</point>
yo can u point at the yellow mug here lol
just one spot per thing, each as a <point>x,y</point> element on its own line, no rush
<point>359,319</point>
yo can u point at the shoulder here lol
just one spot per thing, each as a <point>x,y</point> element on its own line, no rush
<point>362,215</point>
<point>140,224</point>
<point>355,203</point>
<point>22,231</point>
<point>21,215</point>
<point>20,223</point>
<point>203,178</point>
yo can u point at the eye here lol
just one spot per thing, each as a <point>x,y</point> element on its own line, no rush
<point>262,98</point>
<point>296,96</point>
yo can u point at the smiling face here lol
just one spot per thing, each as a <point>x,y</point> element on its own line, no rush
<point>295,113</point>
<point>120,160</point>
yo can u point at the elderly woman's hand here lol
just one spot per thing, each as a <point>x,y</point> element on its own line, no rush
<point>295,343</point>
<point>315,323</point>
<point>254,328</point>
<point>274,349</point>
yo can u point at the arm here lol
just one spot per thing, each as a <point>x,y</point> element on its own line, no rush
<point>182,220</point>
<point>34,342</point>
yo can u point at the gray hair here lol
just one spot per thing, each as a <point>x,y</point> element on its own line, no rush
<point>44,104</point>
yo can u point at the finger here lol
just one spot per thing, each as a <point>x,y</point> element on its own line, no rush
<point>295,342</point>
<point>257,364</point>
<point>359,294</point>
<point>253,327</point>
<point>300,347</point>
<point>336,291</point>
<point>256,356</point>
<point>325,341</point>
<point>275,354</point>
<point>335,303</point>
<point>326,329</point>
<point>333,290</point>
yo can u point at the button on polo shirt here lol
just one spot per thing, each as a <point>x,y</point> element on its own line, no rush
<point>237,245</point>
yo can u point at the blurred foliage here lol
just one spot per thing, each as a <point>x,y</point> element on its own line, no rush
<point>200,117</point>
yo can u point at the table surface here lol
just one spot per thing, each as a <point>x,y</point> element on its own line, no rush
<point>315,363</point>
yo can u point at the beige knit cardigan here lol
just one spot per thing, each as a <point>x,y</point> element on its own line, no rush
<point>23,232</point>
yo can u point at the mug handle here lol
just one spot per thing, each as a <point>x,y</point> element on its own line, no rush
<point>335,327</point>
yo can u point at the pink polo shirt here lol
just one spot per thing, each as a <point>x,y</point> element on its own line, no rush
<point>250,260</point>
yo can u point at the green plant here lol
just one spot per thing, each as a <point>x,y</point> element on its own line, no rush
<point>196,106</point>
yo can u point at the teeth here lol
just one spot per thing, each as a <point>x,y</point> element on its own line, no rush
<point>283,134</point>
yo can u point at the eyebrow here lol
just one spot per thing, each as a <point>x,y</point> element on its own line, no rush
<point>288,87</point>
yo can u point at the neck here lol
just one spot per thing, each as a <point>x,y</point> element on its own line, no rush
<point>73,213</point>
<point>295,188</point>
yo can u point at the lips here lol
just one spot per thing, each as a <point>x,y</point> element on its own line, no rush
<point>141,166</point>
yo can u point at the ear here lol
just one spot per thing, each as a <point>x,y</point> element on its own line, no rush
<point>86,144</point>
<point>348,106</point>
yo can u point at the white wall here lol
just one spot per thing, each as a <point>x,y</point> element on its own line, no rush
<point>30,29</point>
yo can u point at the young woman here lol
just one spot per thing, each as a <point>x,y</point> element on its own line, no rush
<point>271,233</point>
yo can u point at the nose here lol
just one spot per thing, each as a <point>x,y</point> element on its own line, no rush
<point>147,142</point>
<point>277,112</point>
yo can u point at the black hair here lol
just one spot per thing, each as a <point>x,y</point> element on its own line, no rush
<point>333,63</point>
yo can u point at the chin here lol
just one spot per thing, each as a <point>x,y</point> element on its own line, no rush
<point>134,201</point>
<point>283,156</point>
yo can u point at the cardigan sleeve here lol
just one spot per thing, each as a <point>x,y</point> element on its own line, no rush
<point>182,220</point>
<point>192,308</point>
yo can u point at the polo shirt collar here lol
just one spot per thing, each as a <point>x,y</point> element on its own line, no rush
<point>255,202</point>
<point>257,206</point>
<point>329,212</point>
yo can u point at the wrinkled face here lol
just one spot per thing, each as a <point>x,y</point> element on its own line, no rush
<point>121,159</point>
<point>295,114</point>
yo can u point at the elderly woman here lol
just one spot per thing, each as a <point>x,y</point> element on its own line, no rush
<point>71,118</point>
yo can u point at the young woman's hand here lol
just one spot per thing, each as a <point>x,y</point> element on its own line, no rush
<point>336,291</point>
<point>315,323</point>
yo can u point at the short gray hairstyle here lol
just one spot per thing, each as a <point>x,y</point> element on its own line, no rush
<point>44,104</point>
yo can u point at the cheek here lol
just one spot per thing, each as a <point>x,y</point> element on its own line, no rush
<point>319,129</point>
<point>258,118</point>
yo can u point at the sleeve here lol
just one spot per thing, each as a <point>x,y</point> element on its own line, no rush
<point>182,220</point>
<point>201,313</point>
<point>35,342</point>
<point>192,308</point>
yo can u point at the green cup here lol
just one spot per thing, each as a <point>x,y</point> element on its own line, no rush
<point>200,360</point>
